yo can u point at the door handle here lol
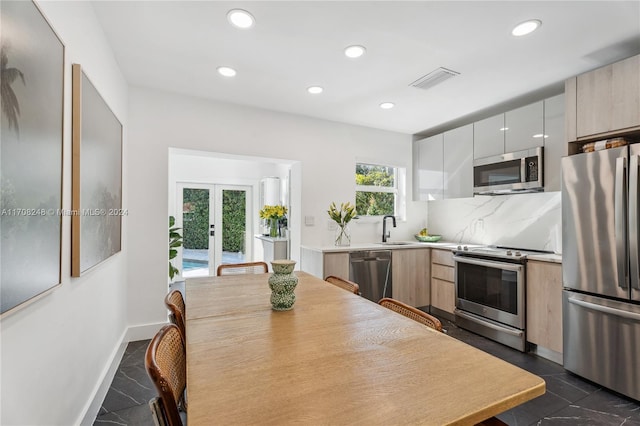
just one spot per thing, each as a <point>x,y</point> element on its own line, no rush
<point>212,230</point>
<point>620,220</point>
<point>634,254</point>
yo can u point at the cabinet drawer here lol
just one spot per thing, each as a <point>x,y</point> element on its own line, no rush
<point>442,257</point>
<point>442,272</point>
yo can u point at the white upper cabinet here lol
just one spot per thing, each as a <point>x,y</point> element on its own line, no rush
<point>524,127</point>
<point>428,175</point>
<point>555,146</point>
<point>458,162</point>
<point>488,137</point>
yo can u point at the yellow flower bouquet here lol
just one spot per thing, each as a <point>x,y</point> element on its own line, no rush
<point>273,214</point>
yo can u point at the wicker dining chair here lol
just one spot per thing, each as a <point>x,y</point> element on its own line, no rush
<point>411,312</point>
<point>166,365</point>
<point>243,268</point>
<point>345,284</point>
<point>177,313</point>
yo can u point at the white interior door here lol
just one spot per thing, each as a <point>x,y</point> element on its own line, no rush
<point>216,227</point>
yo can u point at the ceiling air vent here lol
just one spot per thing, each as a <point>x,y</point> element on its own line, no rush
<point>436,76</point>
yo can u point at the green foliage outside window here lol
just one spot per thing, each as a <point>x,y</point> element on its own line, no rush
<point>196,219</point>
<point>372,202</point>
<point>233,220</point>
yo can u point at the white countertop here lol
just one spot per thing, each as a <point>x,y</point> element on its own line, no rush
<point>268,238</point>
<point>554,258</point>
<point>445,245</point>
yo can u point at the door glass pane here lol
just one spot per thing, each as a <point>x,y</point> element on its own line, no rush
<point>195,232</point>
<point>234,230</point>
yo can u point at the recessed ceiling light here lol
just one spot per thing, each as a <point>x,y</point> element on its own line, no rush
<point>540,135</point>
<point>314,90</point>
<point>240,18</point>
<point>354,51</point>
<point>226,71</point>
<point>526,27</point>
<point>387,105</point>
<point>504,129</point>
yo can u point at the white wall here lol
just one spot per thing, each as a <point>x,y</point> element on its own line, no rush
<point>326,152</point>
<point>56,350</point>
<point>532,221</point>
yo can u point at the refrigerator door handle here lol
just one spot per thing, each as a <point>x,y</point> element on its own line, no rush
<point>634,255</point>
<point>620,210</point>
<point>605,309</point>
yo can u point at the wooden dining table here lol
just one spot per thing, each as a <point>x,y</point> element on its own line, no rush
<point>334,359</point>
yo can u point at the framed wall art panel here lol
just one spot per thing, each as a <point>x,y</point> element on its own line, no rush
<point>32,84</point>
<point>96,184</point>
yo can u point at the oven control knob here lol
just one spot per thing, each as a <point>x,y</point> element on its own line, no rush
<point>465,248</point>
<point>459,247</point>
<point>518,253</point>
<point>509,253</point>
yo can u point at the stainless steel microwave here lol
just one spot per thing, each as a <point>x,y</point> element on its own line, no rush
<point>515,172</point>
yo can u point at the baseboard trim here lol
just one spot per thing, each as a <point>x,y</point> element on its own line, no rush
<point>130,334</point>
<point>143,332</point>
<point>93,405</point>
<point>546,353</point>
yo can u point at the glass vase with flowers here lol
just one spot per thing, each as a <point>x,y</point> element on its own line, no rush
<point>273,214</point>
<point>342,217</point>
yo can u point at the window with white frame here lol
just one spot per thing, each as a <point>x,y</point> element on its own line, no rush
<point>379,190</point>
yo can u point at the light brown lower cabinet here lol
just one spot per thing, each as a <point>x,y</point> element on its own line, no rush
<point>411,276</point>
<point>336,264</point>
<point>544,304</point>
<point>443,289</point>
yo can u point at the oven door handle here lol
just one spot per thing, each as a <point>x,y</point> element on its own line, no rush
<point>488,263</point>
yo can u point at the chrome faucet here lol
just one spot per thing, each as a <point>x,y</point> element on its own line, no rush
<point>386,234</point>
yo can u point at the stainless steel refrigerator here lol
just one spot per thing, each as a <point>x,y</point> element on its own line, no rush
<point>600,270</point>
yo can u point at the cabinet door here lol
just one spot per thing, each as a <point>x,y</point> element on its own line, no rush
<point>555,146</point>
<point>525,127</point>
<point>608,98</point>
<point>428,175</point>
<point>544,304</point>
<point>458,162</point>
<point>411,276</point>
<point>336,264</point>
<point>488,137</point>
<point>443,295</point>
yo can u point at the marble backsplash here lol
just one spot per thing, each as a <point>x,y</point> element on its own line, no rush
<point>532,221</point>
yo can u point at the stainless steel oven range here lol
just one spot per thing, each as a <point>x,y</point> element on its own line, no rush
<point>490,292</point>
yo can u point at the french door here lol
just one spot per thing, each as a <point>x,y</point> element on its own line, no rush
<point>216,226</point>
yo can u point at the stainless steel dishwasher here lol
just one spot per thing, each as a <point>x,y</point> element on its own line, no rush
<point>371,270</point>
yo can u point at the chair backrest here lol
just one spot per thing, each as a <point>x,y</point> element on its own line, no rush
<point>411,312</point>
<point>243,268</point>
<point>166,364</point>
<point>175,304</point>
<point>342,283</point>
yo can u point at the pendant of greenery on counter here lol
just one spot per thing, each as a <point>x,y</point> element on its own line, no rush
<point>342,217</point>
<point>175,241</point>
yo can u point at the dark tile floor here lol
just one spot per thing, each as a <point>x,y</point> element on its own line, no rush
<point>569,400</point>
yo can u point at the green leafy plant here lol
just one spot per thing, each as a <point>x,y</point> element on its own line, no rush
<point>175,241</point>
